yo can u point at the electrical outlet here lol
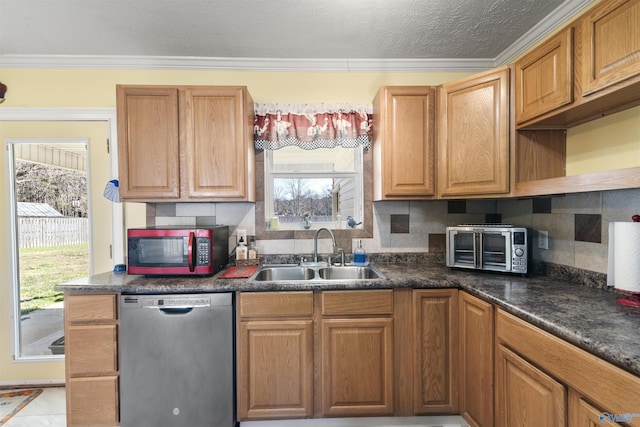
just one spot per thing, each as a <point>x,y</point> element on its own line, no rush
<point>543,240</point>
<point>240,232</point>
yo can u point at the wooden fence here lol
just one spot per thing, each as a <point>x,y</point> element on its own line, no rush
<point>42,232</point>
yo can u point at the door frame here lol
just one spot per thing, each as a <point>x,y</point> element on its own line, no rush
<point>117,212</point>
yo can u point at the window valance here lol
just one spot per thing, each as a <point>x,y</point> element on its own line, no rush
<point>311,126</point>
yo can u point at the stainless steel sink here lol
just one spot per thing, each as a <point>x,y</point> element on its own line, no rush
<point>316,274</point>
<point>350,273</point>
<point>276,274</point>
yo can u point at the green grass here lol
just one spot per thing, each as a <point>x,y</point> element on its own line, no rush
<point>41,269</point>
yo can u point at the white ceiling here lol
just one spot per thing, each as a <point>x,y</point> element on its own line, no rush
<point>260,34</point>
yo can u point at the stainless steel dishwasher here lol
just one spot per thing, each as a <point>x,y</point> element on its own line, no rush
<point>177,360</point>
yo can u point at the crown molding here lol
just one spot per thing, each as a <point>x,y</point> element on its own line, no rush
<point>553,21</point>
<point>246,64</point>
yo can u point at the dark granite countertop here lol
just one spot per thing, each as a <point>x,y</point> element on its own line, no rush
<point>587,317</point>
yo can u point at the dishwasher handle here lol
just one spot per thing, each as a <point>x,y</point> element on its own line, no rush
<point>174,311</point>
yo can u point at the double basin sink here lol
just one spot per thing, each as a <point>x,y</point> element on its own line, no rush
<point>315,273</point>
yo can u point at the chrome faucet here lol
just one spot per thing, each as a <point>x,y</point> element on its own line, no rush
<point>315,242</point>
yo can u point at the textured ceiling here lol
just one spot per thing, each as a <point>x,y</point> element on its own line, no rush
<point>288,29</point>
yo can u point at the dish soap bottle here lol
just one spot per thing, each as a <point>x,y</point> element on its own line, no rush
<point>359,255</point>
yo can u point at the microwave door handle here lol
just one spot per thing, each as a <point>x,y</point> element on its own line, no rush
<point>190,250</point>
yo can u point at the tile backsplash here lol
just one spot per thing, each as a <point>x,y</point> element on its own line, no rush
<point>577,224</point>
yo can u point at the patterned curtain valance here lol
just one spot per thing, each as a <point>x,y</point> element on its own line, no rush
<point>312,126</point>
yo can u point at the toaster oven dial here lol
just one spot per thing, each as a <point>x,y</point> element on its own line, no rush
<point>519,252</point>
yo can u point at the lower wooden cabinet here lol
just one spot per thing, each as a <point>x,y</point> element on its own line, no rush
<point>584,414</point>
<point>543,380</point>
<point>92,401</point>
<point>476,360</point>
<point>276,369</point>
<point>347,353</point>
<point>435,347</point>
<point>357,353</point>
<point>526,396</point>
<point>275,355</point>
<point>91,359</point>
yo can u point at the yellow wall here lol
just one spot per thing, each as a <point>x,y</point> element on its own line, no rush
<point>96,89</point>
<point>612,142</point>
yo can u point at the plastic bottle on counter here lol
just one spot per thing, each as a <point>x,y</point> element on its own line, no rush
<point>253,248</point>
<point>359,255</point>
<point>241,250</point>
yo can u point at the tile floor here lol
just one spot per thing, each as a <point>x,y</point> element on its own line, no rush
<point>48,410</point>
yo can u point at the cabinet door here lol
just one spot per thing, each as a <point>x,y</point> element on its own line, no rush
<point>435,350</point>
<point>610,44</point>
<point>216,141</point>
<point>275,369</point>
<point>544,77</point>
<point>148,154</point>
<point>526,396</point>
<point>92,401</point>
<point>474,135</point>
<point>92,350</point>
<point>476,360</point>
<point>357,367</point>
<point>404,143</point>
<point>583,414</point>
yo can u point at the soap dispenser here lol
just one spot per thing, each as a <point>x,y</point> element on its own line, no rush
<point>359,255</point>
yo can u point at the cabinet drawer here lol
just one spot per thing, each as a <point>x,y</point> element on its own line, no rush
<point>357,302</point>
<point>95,401</point>
<point>275,304</point>
<point>89,308</point>
<point>92,350</point>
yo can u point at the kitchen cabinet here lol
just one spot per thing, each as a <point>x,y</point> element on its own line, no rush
<point>404,143</point>
<point>474,138</point>
<point>91,362</point>
<point>544,77</point>
<point>275,355</point>
<point>605,77</point>
<point>476,360</point>
<point>435,344</point>
<point>185,143</point>
<point>610,44</point>
<point>357,326</point>
<point>537,373</point>
<point>526,396</point>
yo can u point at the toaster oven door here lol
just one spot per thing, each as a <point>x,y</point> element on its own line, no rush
<point>495,250</point>
<point>462,249</point>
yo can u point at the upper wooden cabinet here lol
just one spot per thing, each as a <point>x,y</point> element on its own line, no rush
<point>404,143</point>
<point>544,77</point>
<point>473,142</point>
<point>601,49</point>
<point>610,44</point>
<point>186,143</point>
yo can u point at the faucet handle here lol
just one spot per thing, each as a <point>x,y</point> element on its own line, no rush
<point>341,252</point>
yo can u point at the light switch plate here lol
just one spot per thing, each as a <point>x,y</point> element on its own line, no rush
<point>543,240</point>
<point>240,232</point>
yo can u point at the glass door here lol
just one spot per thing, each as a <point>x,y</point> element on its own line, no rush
<point>464,249</point>
<point>496,251</point>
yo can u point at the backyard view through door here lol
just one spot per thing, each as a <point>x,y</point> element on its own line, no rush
<point>52,236</point>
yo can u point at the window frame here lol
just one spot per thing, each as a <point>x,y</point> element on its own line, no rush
<point>270,175</point>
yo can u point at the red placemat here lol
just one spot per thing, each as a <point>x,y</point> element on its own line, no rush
<point>239,271</point>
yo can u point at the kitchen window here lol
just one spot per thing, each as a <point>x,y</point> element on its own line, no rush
<point>309,189</point>
<point>313,164</point>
